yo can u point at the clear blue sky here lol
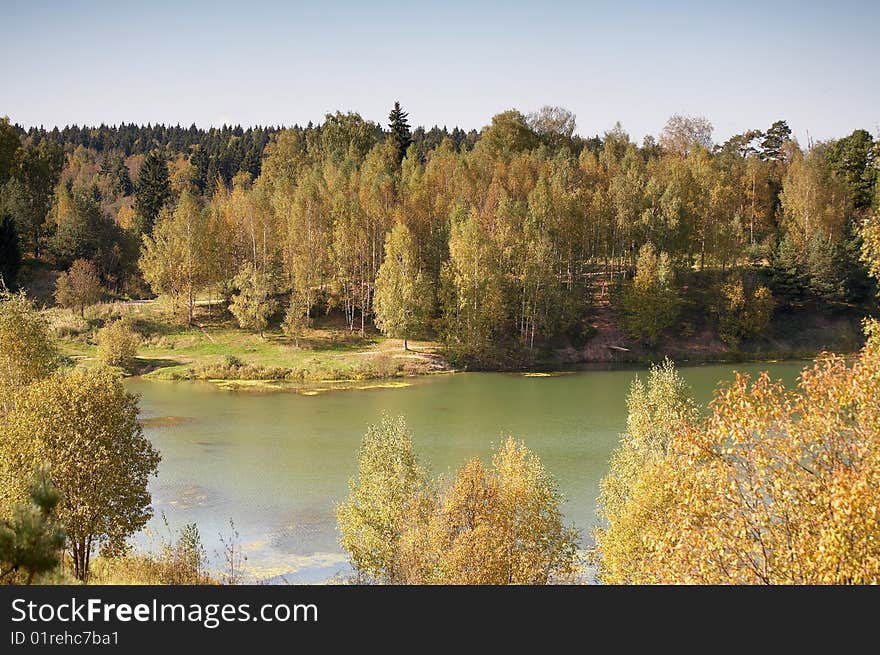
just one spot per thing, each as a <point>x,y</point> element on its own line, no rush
<point>740,63</point>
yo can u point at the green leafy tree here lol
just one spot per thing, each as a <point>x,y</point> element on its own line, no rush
<point>787,273</point>
<point>31,541</point>
<point>347,136</point>
<point>9,145</point>
<point>82,229</point>
<point>179,258</point>
<point>79,287</point>
<point>508,135</point>
<point>153,190</point>
<point>119,180</point>
<point>84,426</point>
<point>473,301</point>
<point>853,159</point>
<point>826,268</point>
<point>28,196</point>
<point>650,300</point>
<point>403,300</point>
<point>389,482</point>
<point>254,303</point>
<point>399,132</point>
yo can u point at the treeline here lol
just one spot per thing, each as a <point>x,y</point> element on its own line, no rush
<point>500,243</point>
<point>216,152</point>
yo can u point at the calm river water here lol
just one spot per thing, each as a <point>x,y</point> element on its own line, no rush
<point>277,463</point>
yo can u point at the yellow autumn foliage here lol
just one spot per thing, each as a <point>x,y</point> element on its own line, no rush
<point>498,525</point>
<point>776,486</point>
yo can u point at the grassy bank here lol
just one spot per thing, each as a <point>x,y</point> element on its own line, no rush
<point>328,356</point>
<point>216,350</point>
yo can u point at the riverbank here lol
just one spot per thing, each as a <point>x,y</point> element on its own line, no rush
<point>214,349</point>
<point>327,356</point>
<point>794,333</point>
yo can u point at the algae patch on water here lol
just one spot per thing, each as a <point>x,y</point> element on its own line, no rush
<point>348,385</point>
<point>306,390</point>
<point>248,385</point>
<point>384,385</point>
<point>165,421</point>
<point>313,392</point>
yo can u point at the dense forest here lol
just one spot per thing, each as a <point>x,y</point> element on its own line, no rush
<point>502,242</point>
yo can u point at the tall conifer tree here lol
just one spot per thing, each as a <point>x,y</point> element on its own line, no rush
<point>153,190</point>
<point>399,131</point>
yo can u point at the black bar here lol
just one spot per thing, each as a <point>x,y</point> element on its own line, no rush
<point>439,616</point>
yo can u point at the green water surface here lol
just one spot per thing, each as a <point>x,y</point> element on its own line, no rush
<point>277,463</point>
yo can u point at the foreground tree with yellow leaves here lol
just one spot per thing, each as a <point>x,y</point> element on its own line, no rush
<point>776,486</point>
<point>389,482</point>
<point>498,525</point>
<point>84,426</point>
<point>630,495</point>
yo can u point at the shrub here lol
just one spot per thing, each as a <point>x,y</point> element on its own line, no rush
<point>650,301</point>
<point>744,310</point>
<point>118,344</point>
<point>234,362</point>
<point>383,365</point>
<point>180,562</point>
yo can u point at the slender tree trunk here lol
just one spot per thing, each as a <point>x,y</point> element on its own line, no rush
<point>752,220</point>
<point>702,252</point>
<point>88,557</point>
<point>79,552</point>
<point>405,344</point>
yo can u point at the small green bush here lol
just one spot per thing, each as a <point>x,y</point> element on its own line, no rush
<point>118,344</point>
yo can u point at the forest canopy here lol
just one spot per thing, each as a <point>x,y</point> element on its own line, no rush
<point>512,236</point>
